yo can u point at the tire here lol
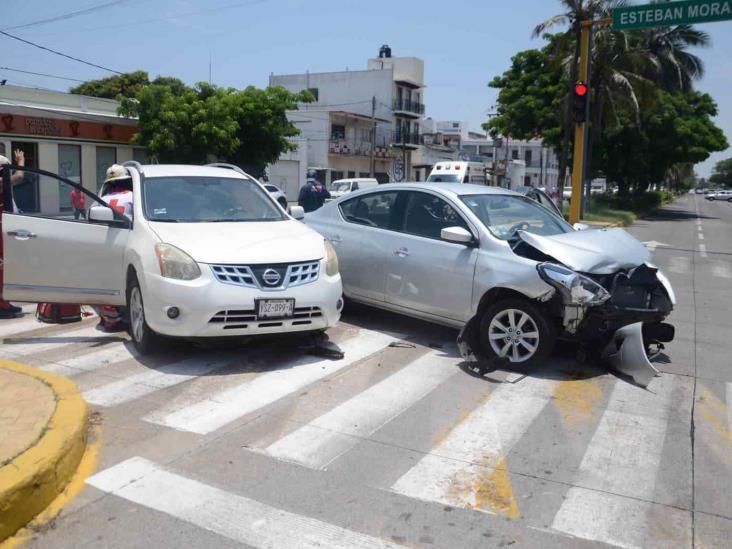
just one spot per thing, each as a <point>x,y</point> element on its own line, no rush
<point>729,200</point>
<point>145,340</point>
<point>496,321</point>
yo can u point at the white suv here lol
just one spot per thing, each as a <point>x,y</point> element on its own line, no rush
<point>720,195</point>
<point>209,253</point>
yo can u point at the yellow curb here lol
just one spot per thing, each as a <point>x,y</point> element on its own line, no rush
<point>31,481</point>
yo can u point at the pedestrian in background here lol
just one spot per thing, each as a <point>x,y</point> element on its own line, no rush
<point>7,310</point>
<point>313,194</point>
<point>78,201</point>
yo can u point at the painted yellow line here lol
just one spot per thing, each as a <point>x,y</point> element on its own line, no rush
<point>31,481</point>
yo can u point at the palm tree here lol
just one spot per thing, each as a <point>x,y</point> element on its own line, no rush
<point>668,51</point>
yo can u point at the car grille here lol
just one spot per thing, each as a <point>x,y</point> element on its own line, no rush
<point>240,319</point>
<point>268,277</point>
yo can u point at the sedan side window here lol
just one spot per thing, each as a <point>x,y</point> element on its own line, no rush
<point>426,215</point>
<point>372,210</point>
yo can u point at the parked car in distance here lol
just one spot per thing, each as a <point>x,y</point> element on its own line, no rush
<point>509,272</point>
<point>209,253</point>
<point>340,187</point>
<point>720,195</point>
<point>277,194</point>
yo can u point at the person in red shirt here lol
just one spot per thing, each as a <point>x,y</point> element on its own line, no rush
<point>7,310</point>
<point>78,201</point>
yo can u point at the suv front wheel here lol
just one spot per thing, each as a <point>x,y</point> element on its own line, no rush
<point>517,330</point>
<point>146,341</point>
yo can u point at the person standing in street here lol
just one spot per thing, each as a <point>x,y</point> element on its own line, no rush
<point>313,194</point>
<point>78,201</point>
<point>7,310</point>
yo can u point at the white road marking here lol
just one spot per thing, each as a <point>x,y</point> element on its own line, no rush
<point>136,386</point>
<point>703,250</point>
<point>653,244</point>
<point>324,439</point>
<point>240,519</point>
<point>679,264</point>
<point>452,471</point>
<point>721,269</point>
<point>222,408</point>
<point>617,476</point>
<point>701,236</point>
<point>33,345</point>
<point>729,405</point>
<point>20,325</point>
<point>89,362</point>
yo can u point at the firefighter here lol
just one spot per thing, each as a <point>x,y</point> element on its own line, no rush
<point>7,310</point>
<point>117,192</point>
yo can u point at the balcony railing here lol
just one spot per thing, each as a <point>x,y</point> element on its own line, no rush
<point>358,147</point>
<point>405,105</point>
<point>406,138</point>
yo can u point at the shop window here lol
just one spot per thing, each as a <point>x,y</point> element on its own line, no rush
<point>351,175</point>
<point>106,156</point>
<point>69,167</point>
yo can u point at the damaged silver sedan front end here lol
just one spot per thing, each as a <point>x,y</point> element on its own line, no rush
<point>607,297</point>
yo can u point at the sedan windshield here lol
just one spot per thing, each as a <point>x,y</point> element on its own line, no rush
<point>189,199</point>
<point>505,215</point>
<point>445,178</point>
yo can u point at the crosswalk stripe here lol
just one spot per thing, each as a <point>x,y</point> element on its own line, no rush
<point>211,414</point>
<point>144,383</point>
<point>621,462</point>
<point>321,441</point>
<point>19,325</point>
<point>679,264</point>
<point>89,362</point>
<point>721,269</point>
<point>238,518</point>
<point>34,345</point>
<point>456,470</point>
<point>729,405</point>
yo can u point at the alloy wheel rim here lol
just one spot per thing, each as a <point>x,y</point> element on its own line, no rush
<point>513,334</point>
<point>137,314</point>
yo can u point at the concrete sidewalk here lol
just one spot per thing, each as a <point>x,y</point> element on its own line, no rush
<point>43,430</point>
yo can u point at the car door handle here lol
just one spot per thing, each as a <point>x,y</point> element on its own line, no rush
<point>22,234</point>
<point>401,252</point>
<point>336,239</point>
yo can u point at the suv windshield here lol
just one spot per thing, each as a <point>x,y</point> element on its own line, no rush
<point>505,215</point>
<point>207,199</point>
<point>445,178</point>
<point>340,186</point>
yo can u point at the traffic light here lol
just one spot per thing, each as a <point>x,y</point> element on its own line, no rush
<point>579,102</point>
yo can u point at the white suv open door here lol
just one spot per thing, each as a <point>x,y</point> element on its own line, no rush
<point>54,253</point>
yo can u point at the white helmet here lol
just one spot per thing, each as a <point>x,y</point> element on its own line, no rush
<point>115,171</point>
<point>4,160</point>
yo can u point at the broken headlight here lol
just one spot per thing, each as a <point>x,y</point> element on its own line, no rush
<point>574,287</point>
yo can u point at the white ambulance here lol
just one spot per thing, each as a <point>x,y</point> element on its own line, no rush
<point>458,172</point>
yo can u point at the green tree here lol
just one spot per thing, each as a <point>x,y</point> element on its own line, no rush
<point>182,124</point>
<point>722,173</point>
<point>114,87</point>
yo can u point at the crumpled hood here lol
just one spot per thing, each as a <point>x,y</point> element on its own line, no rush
<point>245,242</point>
<point>597,251</point>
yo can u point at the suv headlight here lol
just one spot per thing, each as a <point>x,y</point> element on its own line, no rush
<point>331,260</point>
<point>575,288</point>
<point>175,263</point>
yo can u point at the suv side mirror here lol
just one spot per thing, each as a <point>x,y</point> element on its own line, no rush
<point>105,215</point>
<point>458,235</point>
<point>297,212</point>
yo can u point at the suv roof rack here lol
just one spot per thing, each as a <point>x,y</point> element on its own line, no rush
<point>230,167</point>
<point>133,164</point>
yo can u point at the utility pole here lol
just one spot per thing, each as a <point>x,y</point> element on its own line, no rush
<point>373,136</point>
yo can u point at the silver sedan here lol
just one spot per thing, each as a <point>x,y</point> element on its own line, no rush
<point>509,273</point>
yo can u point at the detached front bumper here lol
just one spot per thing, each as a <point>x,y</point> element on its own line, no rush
<point>209,308</point>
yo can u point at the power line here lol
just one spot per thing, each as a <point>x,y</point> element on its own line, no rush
<point>43,74</point>
<point>68,15</point>
<point>57,52</point>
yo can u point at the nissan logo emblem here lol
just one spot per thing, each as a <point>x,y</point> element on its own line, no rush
<point>271,277</point>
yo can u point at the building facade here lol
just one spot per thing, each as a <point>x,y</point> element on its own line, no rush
<point>75,136</point>
<point>358,118</point>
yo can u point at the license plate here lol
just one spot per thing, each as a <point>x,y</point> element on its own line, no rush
<point>275,308</point>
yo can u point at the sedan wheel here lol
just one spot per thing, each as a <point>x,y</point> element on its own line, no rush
<point>516,330</point>
<point>513,334</point>
<point>137,314</point>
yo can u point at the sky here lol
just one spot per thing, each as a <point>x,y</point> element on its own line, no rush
<point>464,44</point>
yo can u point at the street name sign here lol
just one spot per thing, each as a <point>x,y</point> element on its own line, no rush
<point>671,13</point>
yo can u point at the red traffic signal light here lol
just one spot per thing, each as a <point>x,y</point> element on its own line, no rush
<point>579,102</point>
<point>580,89</point>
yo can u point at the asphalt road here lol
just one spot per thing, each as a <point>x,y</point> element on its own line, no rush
<point>397,446</point>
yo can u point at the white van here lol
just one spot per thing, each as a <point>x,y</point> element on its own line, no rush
<point>344,186</point>
<point>458,172</point>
